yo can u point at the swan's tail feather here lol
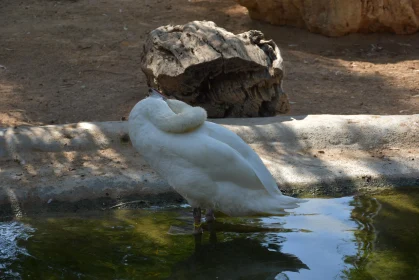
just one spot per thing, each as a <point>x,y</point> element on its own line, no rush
<point>233,201</point>
<point>277,205</point>
<point>288,202</point>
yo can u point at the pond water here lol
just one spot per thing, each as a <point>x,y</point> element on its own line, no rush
<point>365,237</point>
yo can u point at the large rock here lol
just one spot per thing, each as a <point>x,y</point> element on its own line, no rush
<point>229,75</point>
<point>339,17</point>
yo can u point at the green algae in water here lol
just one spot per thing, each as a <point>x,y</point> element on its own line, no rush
<point>347,238</point>
<point>135,245</point>
<point>117,245</point>
<point>388,236</point>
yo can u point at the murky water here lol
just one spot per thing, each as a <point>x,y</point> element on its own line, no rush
<point>342,238</point>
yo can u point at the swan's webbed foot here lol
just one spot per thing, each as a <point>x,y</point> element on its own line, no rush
<point>197,226</point>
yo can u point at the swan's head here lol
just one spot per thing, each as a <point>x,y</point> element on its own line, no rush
<point>176,106</point>
<point>169,115</point>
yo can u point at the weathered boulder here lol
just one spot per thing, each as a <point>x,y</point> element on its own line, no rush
<point>336,18</point>
<point>229,75</point>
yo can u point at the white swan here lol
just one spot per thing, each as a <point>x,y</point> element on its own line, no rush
<point>209,165</point>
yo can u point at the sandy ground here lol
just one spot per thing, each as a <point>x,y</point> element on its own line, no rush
<point>78,60</point>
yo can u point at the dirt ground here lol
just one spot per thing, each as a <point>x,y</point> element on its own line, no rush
<point>78,60</point>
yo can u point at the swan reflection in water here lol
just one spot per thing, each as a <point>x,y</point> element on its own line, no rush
<point>240,258</point>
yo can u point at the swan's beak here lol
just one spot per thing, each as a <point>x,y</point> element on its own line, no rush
<point>156,94</point>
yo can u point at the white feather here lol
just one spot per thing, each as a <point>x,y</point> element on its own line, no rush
<point>206,163</point>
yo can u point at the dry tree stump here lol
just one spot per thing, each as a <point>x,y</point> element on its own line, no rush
<point>204,65</point>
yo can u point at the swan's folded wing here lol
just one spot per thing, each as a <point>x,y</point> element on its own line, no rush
<point>216,159</point>
<point>231,139</point>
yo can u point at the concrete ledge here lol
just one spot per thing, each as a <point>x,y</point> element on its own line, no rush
<point>92,165</point>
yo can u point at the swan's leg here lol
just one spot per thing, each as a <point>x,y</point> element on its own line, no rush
<point>209,215</point>
<point>209,218</point>
<point>197,228</point>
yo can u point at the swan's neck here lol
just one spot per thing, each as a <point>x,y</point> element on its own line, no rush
<point>176,116</point>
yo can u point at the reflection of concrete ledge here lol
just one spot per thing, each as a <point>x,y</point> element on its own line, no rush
<point>92,165</point>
